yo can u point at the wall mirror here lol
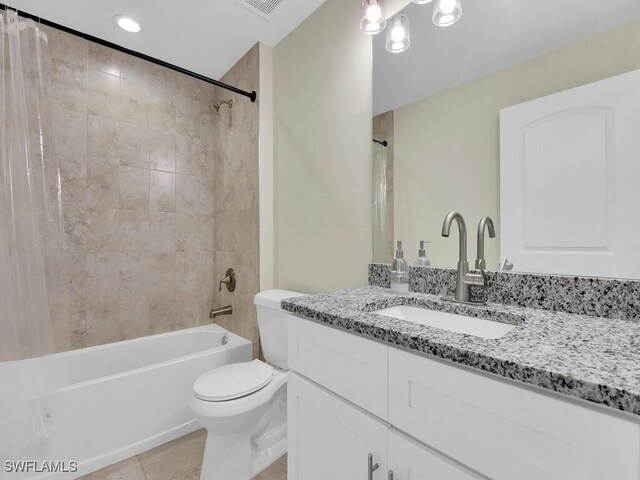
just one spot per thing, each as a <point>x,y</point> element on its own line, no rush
<point>525,111</point>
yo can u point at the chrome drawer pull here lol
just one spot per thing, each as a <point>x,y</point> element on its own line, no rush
<point>372,467</point>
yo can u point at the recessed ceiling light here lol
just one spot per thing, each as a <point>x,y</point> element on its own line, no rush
<point>127,23</point>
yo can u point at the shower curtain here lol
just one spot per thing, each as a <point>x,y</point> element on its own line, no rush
<point>25,329</point>
<point>382,227</point>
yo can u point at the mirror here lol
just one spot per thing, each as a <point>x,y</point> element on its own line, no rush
<point>523,111</point>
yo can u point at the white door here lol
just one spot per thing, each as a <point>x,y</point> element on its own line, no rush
<point>569,181</point>
<point>410,460</point>
<point>330,438</point>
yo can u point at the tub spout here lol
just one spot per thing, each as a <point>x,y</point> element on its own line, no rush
<point>217,312</point>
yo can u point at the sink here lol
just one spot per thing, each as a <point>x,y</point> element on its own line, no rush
<point>448,321</point>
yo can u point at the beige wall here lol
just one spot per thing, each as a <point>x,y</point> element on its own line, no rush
<point>447,145</point>
<point>236,244</point>
<point>130,251</point>
<point>322,106</point>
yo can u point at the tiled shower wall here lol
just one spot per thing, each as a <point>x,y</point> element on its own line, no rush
<point>131,250</point>
<point>236,198</point>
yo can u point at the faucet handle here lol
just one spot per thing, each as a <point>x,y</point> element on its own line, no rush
<point>229,280</point>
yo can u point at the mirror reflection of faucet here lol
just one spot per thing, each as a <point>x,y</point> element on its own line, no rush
<point>465,279</point>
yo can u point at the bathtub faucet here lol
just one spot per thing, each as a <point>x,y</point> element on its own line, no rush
<point>217,312</point>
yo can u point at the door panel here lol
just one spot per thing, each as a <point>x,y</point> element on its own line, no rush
<point>568,167</point>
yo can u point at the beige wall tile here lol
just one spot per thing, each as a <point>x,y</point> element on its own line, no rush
<point>187,194</point>
<point>69,85</point>
<point>188,153</point>
<point>104,59</point>
<point>162,232</point>
<point>133,231</point>
<point>134,274</point>
<point>163,272</point>
<point>134,188</point>
<point>133,317</point>
<point>187,271</point>
<point>104,140</point>
<point>69,129</point>
<point>103,185</point>
<point>69,48</point>
<point>188,232</point>
<point>134,146</point>
<point>69,181</point>
<point>163,191</point>
<point>162,155</point>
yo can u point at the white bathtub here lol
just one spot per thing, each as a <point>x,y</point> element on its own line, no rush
<point>117,400</point>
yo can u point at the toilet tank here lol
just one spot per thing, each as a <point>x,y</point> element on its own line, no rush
<point>272,322</point>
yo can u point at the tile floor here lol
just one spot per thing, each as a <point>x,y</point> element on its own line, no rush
<point>177,460</point>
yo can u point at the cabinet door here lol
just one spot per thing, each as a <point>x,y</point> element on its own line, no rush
<point>329,438</point>
<point>506,431</point>
<point>410,460</point>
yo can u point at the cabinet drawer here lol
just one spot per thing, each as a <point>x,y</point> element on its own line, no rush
<point>410,460</point>
<point>330,439</point>
<point>351,366</point>
<point>505,431</point>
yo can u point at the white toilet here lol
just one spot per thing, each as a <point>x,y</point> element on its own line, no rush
<point>243,406</point>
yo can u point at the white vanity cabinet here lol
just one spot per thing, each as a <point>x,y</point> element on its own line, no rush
<point>329,438</point>
<point>422,418</point>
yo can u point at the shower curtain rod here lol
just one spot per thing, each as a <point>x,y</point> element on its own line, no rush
<point>251,95</point>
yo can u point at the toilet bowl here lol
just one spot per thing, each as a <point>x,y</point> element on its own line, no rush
<point>243,406</point>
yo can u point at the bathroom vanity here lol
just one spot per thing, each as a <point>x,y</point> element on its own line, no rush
<point>553,396</point>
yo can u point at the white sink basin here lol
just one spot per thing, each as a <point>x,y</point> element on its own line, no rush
<point>448,321</point>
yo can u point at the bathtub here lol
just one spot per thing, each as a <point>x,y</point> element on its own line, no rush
<point>118,400</point>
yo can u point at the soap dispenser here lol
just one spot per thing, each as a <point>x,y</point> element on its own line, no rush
<point>399,272</point>
<point>422,260</point>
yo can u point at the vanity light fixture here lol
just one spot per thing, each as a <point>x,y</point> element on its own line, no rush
<point>398,36</point>
<point>372,19</point>
<point>422,2</point>
<point>446,12</point>
<point>127,23</point>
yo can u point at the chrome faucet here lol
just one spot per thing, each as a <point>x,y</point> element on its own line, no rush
<point>464,279</point>
<point>485,222</point>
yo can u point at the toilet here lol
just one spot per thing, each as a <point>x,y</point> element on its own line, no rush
<point>243,406</point>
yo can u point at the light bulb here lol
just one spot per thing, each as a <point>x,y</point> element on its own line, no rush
<point>374,13</point>
<point>447,6</point>
<point>446,12</point>
<point>397,33</point>
<point>372,19</point>
<point>398,37</point>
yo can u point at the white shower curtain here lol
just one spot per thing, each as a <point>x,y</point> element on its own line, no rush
<point>25,329</point>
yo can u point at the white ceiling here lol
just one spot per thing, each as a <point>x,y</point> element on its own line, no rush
<point>205,36</point>
<point>492,35</point>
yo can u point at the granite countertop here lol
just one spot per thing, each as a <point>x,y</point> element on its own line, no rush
<point>595,359</point>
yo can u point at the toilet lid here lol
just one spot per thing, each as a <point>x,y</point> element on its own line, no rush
<point>233,381</point>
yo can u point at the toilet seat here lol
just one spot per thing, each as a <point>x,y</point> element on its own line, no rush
<point>233,381</point>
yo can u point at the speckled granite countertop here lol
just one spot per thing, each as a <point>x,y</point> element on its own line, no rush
<point>591,358</point>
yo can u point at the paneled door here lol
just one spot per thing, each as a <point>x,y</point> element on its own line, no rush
<point>569,181</point>
<point>329,438</point>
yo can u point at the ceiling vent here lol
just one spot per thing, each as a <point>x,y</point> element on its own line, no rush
<point>264,8</point>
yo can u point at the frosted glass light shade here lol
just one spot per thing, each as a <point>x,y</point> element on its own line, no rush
<point>422,2</point>
<point>398,35</point>
<point>372,19</point>
<point>446,12</point>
